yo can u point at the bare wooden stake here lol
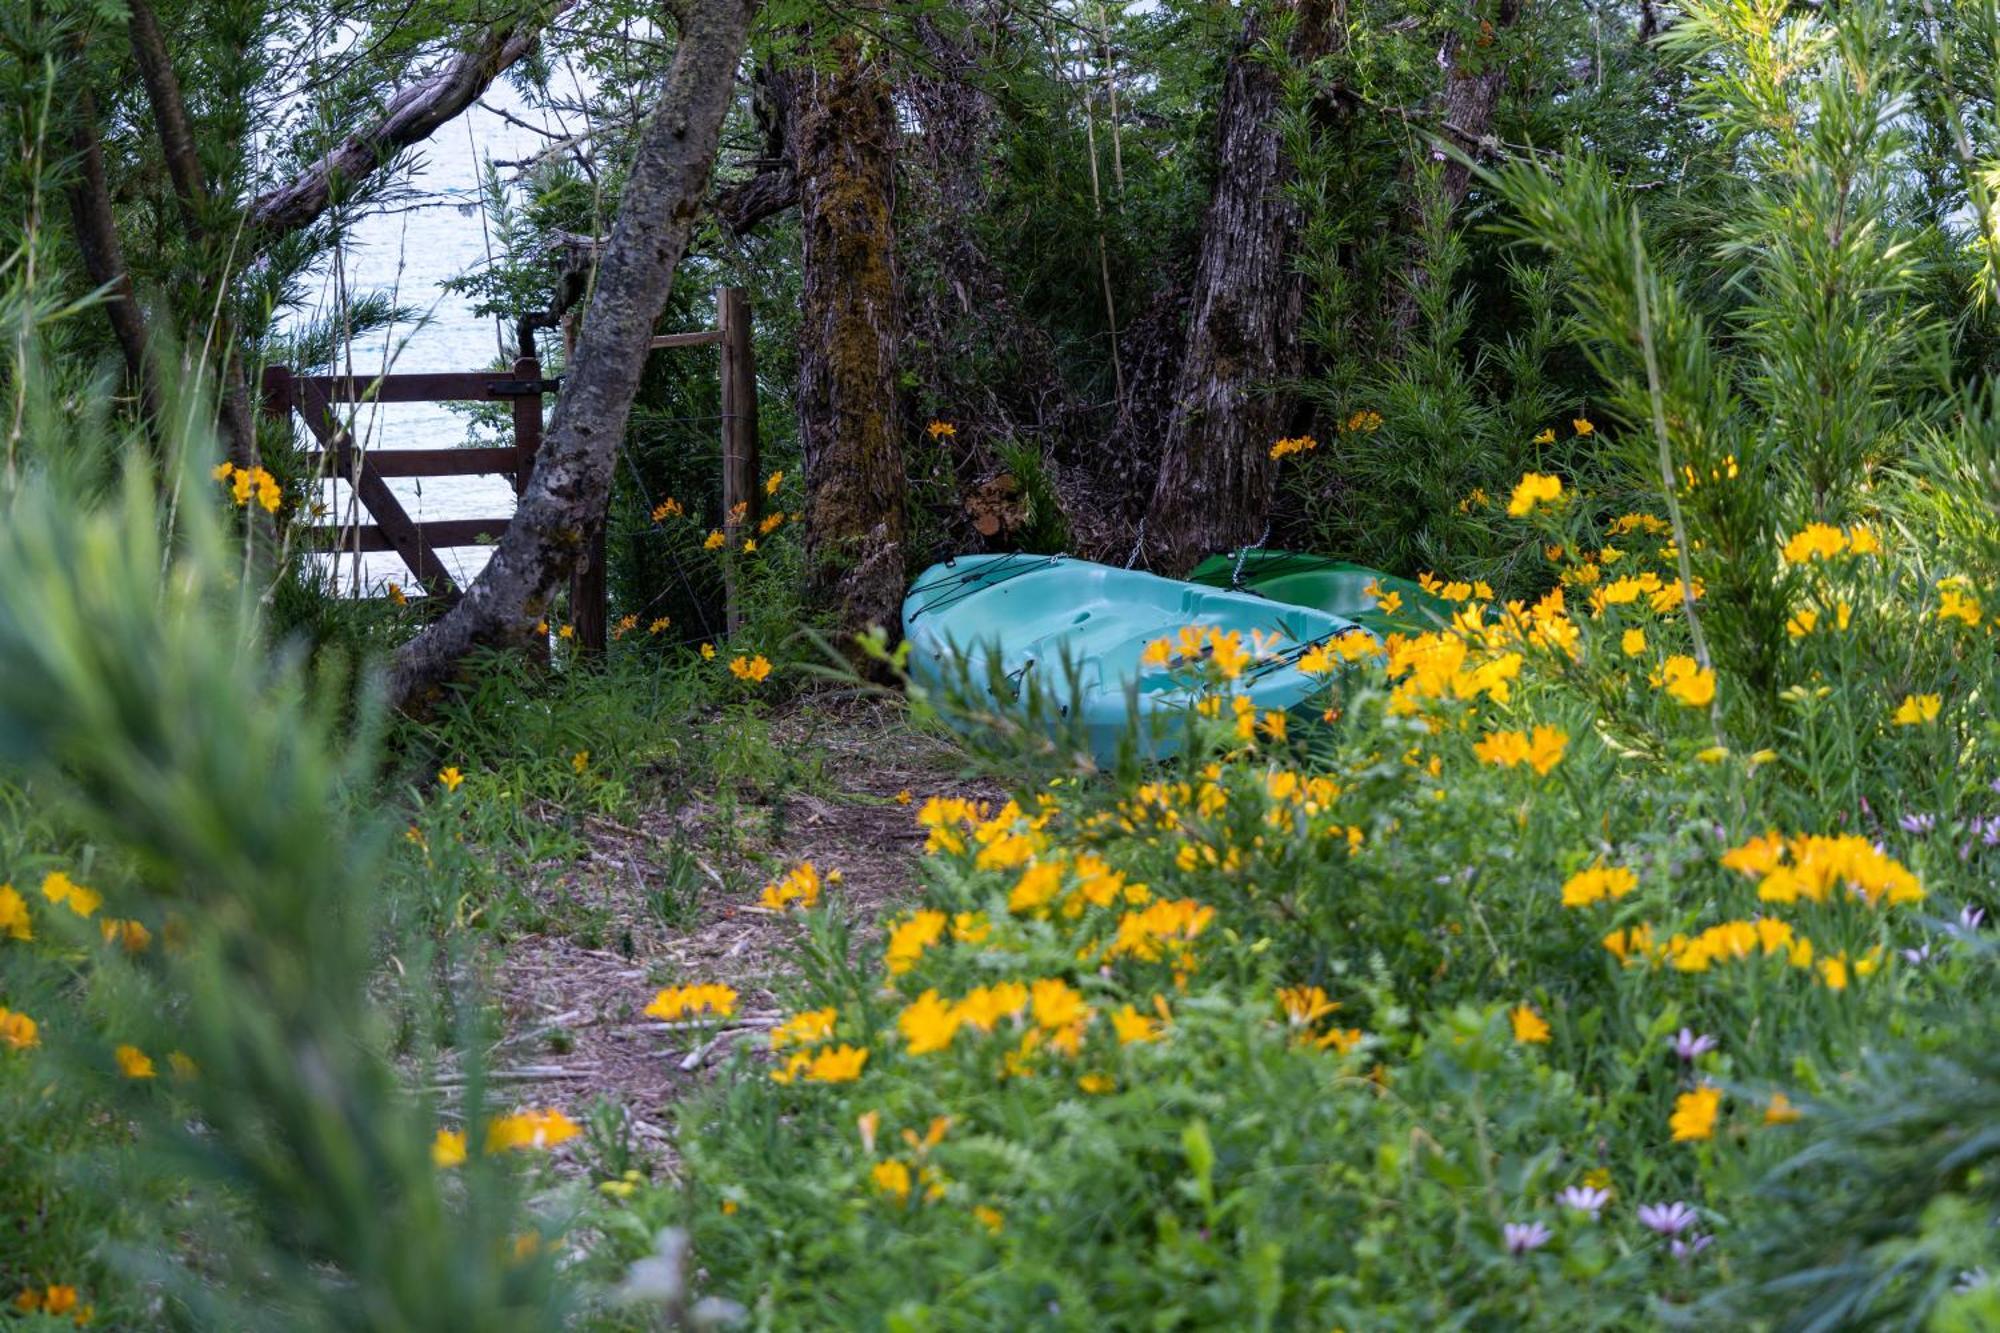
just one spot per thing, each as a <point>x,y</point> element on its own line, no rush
<point>739,440</point>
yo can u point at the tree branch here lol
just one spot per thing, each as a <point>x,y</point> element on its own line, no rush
<point>410,117</point>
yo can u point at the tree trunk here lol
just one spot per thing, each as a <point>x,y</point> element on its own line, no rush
<point>1473,80</point>
<point>571,485</point>
<point>103,258</point>
<point>843,135</point>
<point>1215,475</point>
<point>163,90</point>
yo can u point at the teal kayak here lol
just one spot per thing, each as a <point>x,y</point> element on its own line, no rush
<point>1332,586</point>
<point>1062,645</point>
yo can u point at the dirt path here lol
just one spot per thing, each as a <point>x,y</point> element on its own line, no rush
<point>573,1010</point>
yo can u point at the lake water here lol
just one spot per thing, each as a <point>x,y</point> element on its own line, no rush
<point>433,231</point>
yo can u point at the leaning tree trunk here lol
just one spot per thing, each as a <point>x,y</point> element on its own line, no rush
<point>843,134</point>
<point>571,484</point>
<point>1215,474</point>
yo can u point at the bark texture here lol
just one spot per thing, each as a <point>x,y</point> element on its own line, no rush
<point>970,343</point>
<point>409,118</point>
<point>1242,344</point>
<point>103,258</point>
<point>237,421</point>
<point>843,136</point>
<point>567,493</point>
<point>1475,74</point>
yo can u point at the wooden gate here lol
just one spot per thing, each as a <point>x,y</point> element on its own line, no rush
<point>316,398</point>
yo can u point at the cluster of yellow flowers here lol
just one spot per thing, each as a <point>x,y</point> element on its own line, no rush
<point>1303,1007</point>
<point>1596,884</point>
<point>1540,750</point>
<point>520,1131</point>
<point>54,1300</point>
<point>244,482</point>
<point>679,1002</point>
<point>1534,488</point>
<point>811,1061</point>
<point>800,887</point>
<point>752,669</point>
<point>1823,541</point>
<point>1297,444</point>
<point>1811,866</point>
<point>1223,650</point>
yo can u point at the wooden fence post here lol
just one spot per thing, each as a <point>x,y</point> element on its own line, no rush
<point>739,439</point>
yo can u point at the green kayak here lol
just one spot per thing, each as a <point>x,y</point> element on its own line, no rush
<point>1062,645</point>
<point>1332,586</point>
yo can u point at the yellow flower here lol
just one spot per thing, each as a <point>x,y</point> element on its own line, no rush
<point>1596,884</point>
<point>1529,1027</point>
<point>659,625</point>
<point>397,595</point>
<point>1305,1005</point>
<point>1547,436</point>
<point>941,430</point>
<point>1802,623</point>
<point>60,888</point>
<point>1096,1084</point>
<point>18,1031</point>
<point>805,1028</point>
<point>908,940</point>
<point>14,914</point>
<point>928,1024</point>
<point>990,1218</point>
<point>773,482</point>
<point>1534,488</point>
<point>749,546</point>
<point>448,1149</point>
<point>1687,683</point>
<point>566,632</point>
<point>708,652</point>
<point>770,524</point>
<point>666,509</point>
<point>529,1129</point>
<point>222,470</point>
<point>1917,709</point>
<point>1134,1028</point>
<point>714,540</point>
<point>1632,642</point>
<point>1956,604</point>
<point>892,1177</point>
<point>1366,422</point>
<point>752,669</point>
<point>1057,1004</point>
<point>1781,1111</point>
<point>580,761</point>
<point>1583,427</point>
<point>1296,445</point>
<point>841,1064</point>
<point>800,885</point>
<point>133,1062</point>
<point>1815,541</point>
<point>1694,1114</point>
<point>450,778</point>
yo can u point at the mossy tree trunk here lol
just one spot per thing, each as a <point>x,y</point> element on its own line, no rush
<point>1214,484</point>
<point>843,136</point>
